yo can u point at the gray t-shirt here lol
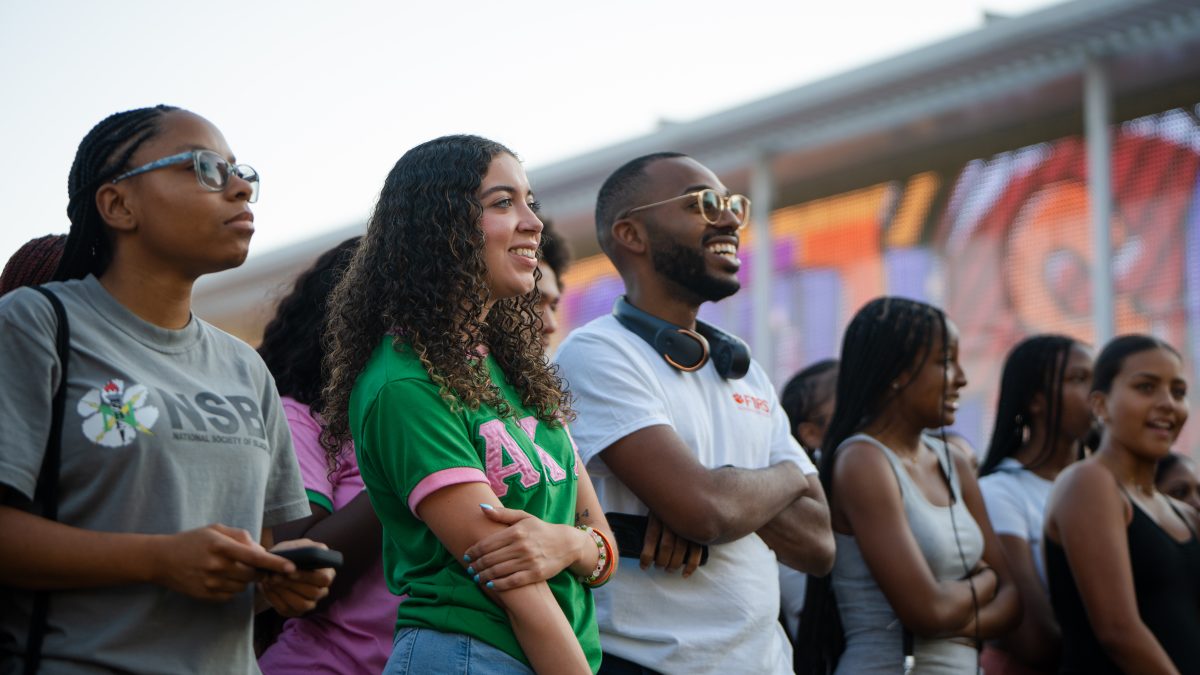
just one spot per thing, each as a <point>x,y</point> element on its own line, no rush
<point>164,431</point>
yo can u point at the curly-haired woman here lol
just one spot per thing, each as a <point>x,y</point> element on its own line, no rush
<point>492,531</point>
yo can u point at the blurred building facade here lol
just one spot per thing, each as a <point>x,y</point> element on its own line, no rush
<point>974,174</point>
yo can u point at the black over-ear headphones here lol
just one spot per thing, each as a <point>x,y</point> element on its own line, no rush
<point>687,350</point>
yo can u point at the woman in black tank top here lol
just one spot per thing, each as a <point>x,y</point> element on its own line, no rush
<point>1123,560</point>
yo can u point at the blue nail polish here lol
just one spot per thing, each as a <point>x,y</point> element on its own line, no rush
<point>466,558</point>
<point>486,507</point>
<point>470,570</point>
<point>491,585</point>
<point>476,578</point>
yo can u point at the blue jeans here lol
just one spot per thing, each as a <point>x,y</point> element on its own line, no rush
<point>424,650</point>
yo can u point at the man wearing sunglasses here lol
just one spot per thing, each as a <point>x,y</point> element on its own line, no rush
<point>678,424</point>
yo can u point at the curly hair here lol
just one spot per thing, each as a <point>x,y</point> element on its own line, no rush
<point>291,345</point>
<point>420,276</point>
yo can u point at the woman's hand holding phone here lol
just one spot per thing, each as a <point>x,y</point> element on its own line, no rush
<point>299,591</point>
<point>215,562</point>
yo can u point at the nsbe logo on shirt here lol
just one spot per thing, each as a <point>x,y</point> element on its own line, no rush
<point>752,403</point>
<point>116,413</point>
<point>113,415</point>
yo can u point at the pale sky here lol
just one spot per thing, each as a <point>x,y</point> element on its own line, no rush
<point>322,98</point>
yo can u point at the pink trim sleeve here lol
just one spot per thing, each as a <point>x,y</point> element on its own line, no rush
<point>440,479</point>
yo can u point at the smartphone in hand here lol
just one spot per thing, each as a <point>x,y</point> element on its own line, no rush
<point>311,557</point>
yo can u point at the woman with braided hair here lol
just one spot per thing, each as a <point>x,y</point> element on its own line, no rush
<point>492,533</point>
<point>1042,417</point>
<point>173,459</point>
<point>34,263</point>
<point>919,576</point>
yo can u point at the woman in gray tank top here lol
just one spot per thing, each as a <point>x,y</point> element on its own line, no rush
<point>915,549</point>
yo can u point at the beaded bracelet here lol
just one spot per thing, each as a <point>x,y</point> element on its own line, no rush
<point>604,569</point>
<point>612,561</point>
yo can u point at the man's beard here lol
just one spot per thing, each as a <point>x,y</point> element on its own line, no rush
<point>686,267</point>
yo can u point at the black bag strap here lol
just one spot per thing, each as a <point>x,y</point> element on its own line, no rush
<point>46,492</point>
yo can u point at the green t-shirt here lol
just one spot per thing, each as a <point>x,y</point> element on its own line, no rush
<point>410,444</point>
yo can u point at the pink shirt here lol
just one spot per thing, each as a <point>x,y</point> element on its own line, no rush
<point>354,634</point>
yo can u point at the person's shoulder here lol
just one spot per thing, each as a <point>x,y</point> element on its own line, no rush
<point>858,456</point>
<point>1086,498</point>
<point>999,482</point>
<point>28,301</point>
<point>1084,482</point>
<point>394,368</point>
<point>758,375</point>
<point>1086,472</point>
<point>391,360</point>
<point>228,341</point>
<point>1011,476</point>
<point>963,463</point>
<point>604,328</point>
<point>861,470</point>
<point>395,361</point>
<point>298,413</point>
<point>594,339</point>
<point>24,301</point>
<point>28,310</point>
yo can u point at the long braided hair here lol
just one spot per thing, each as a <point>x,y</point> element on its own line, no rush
<point>1036,365</point>
<point>34,263</point>
<point>887,339</point>
<point>102,155</point>
<point>420,276</point>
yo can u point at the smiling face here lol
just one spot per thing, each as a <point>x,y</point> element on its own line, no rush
<point>165,217</point>
<point>511,228</point>
<point>931,393</point>
<point>1146,406</point>
<point>700,259</point>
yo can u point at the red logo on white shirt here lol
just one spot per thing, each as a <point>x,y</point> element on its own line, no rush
<point>752,403</point>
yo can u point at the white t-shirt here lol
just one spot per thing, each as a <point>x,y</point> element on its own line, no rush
<point>1016,504</point>
<point>724,619</point>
